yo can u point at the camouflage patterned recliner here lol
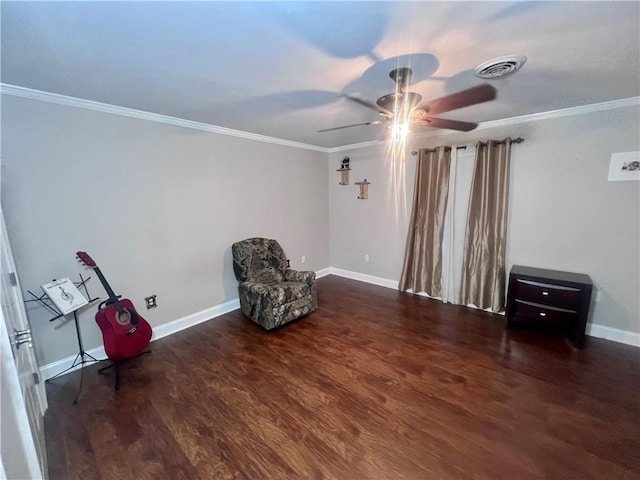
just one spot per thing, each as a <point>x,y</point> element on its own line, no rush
<point>271,294</point>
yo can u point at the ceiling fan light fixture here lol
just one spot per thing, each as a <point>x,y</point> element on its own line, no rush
<point>423,122</point>
<point>396,102</point>
<point>402,77</point>
<point>500,67</point>
<point>399,131</point>
<point>419,116</point>
<point>402,108</point>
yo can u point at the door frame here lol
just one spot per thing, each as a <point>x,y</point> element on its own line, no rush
<point>18,455</point>
<point>22,394</point>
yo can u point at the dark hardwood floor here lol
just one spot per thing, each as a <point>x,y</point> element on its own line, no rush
<point>375,384</point>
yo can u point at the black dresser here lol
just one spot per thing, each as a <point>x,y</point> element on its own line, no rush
<point>556,299</point>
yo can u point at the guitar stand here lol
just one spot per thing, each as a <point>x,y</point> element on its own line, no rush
<point>117,367</point>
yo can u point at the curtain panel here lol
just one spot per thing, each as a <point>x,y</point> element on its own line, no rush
<point>422,266</point>
<point>483,275</point>
<point>455,226</point>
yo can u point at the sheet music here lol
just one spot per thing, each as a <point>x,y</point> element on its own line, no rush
<point>64,294</point>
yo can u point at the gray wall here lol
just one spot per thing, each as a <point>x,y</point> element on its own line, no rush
<point>157,207</point>
<point>376,226</point>
<point>563,215</point>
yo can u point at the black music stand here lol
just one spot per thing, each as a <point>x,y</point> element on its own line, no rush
<point>82,357</point>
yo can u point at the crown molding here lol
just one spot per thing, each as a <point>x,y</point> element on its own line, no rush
<point>29,93</point>
<point>534,117</point>
<point>23,92</point>
<point>355,146</point>
<point>564,112</point>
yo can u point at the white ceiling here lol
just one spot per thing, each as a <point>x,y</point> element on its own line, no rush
<point>279,69</point>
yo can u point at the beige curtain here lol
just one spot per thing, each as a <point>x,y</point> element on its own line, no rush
<point>422,267</point>
<point>483,274</point>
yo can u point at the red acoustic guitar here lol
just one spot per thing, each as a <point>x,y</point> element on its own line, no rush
<point>124,333</point>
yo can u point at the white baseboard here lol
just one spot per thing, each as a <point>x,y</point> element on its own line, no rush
<point>613,334</point>
<point>52,369</point>
<point>55,368</point>
<point>194,319</point>
<point>362,277</point>
<point>593,330</point>
<point>323,273</point>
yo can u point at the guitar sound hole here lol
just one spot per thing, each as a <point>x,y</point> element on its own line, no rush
<point>124,317</point>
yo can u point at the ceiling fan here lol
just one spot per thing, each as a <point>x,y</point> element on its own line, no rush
<point>404,105</point>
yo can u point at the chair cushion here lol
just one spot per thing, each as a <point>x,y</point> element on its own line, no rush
<point>287,292</point>
<point>256,254</point>
<point>267,275</point>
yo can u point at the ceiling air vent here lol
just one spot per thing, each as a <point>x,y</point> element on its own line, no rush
<point>500,67</point>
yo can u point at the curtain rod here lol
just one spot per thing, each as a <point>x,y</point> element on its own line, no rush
<point>515,140</point>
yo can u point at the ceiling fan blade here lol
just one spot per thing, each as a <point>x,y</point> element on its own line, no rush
<point>364,103</point>
<point>450,124</point>
<point>465,98</point>
<point>373,122</point>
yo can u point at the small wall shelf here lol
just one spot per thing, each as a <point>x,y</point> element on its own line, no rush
<point>364,189</point>
<point>344,177</point>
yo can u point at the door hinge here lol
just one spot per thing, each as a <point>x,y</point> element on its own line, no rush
<point>21,337</point>
<point>13,279</point>
<point>36,378</point>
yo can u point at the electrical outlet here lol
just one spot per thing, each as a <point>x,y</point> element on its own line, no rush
<point>151,301</point>
<point>304,259</point>
<point>366,257</point>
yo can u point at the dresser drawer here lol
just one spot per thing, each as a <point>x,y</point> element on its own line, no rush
<point>555,295</point>
<point>544,313</point>
<point>550,297</point>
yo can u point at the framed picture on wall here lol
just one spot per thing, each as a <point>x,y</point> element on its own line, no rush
<point>64,294</point>
<point>624,166</point>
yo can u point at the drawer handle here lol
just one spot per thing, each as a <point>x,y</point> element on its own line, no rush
<point>545,293</point>
<point>542,314</point>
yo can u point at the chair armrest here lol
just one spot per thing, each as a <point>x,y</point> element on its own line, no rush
<point>254,287</point>
<point>297,276</point>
